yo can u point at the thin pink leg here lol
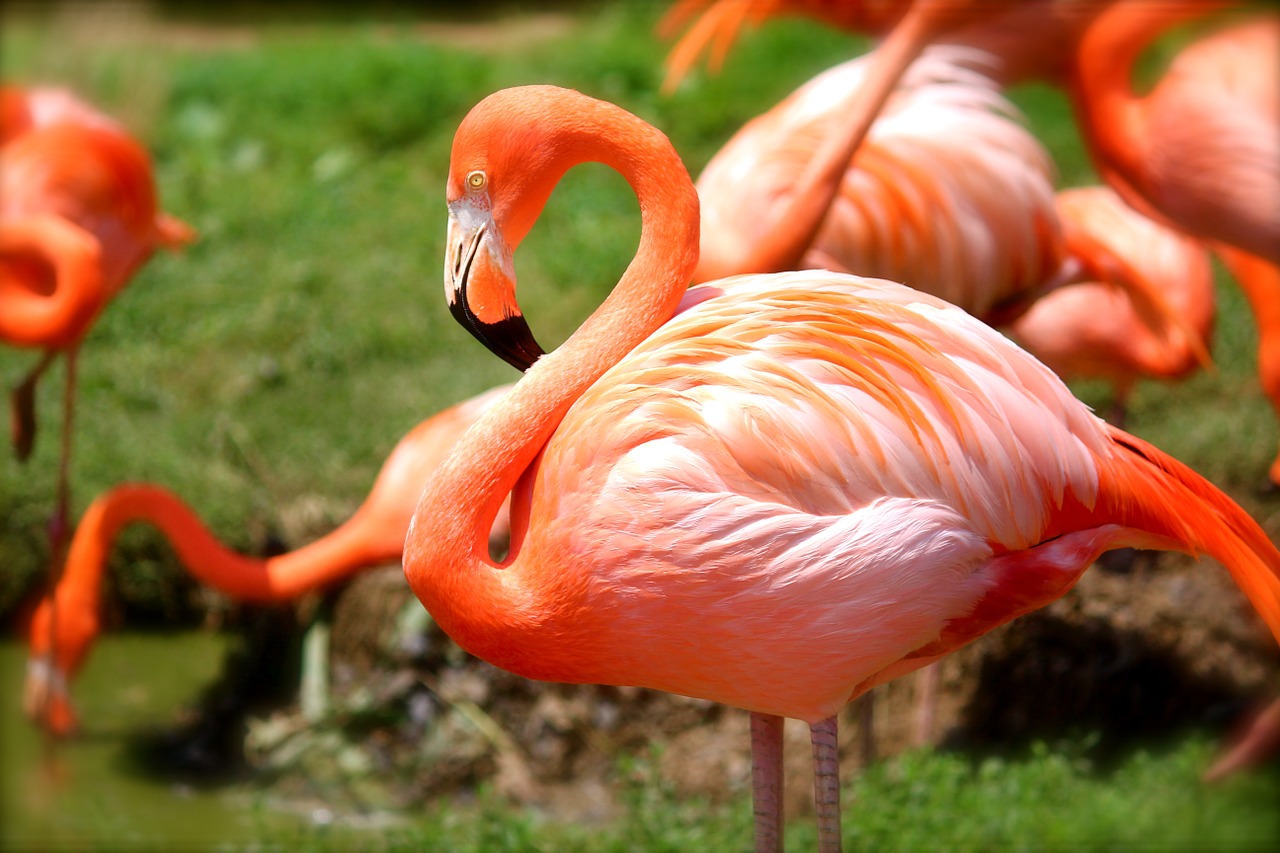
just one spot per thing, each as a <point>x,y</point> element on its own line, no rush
<point>864,711</point>
<point>22,403</point>
<point>926,703</point>
<point>766,781</point>
<point>826,783</point>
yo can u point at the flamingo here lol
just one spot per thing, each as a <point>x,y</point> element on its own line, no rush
<point>1201,149</point>
<point>801,485</point>
<point>949,192</point>
<point>26,108</point>
<point>373,536</point>
<point>1092,329</point>
<point>78,216</point>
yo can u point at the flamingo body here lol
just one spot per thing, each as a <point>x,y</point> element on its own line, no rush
<point>91,180</point>
<point>948,192</point>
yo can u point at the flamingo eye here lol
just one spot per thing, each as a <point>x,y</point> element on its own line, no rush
<point>476,180</point>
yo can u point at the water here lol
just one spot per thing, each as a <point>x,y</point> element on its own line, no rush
<point>84,793</point>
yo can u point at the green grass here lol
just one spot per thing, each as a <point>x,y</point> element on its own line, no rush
<point>1054,800</point>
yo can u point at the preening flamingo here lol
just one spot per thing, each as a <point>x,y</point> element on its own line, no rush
<point>373,536</point>
<point>949,192</point>
<point>1091,328</point>
<point>1200,150</point>
<point>803,485</point>
<point>78,216</point>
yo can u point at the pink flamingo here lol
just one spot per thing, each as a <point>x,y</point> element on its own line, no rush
<point>803,485</point>
<point>949,192</point>
<point>1092,329</point>
<point>373,536</point>
<point>1199,150</point>
<point>78,216</point>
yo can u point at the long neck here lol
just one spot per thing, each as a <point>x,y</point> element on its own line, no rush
<point>244,578</point>
<point>1109,112</point>
<point>446,555</point>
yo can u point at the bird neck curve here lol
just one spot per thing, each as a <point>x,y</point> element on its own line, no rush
<point>45,248</point>
<point>239,576</point>
<point>1111,113</point>
<point>446,554</point>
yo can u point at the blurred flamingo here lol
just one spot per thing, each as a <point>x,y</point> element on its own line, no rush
<point>373,536</point>
<point>1027,39</point>
<point>949,192</point>
<point>1201,149</point>
<point>78,216</point>
<point>26,108</point>
<point>1092,329</point>
<point>801,486</point>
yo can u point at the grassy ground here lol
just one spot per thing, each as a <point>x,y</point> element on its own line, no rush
<point>264,374</point>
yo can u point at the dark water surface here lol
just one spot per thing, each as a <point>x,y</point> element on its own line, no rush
<point>87,792</point>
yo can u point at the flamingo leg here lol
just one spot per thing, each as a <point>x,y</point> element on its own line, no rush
<point>926,703</point>
<point>766,781</point>
<point>22,407</point>
<point>60,521</point>
<point>864,710</point>
<point>826,783</point>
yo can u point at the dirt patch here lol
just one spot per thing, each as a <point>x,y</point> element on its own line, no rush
<point>1132,657</point>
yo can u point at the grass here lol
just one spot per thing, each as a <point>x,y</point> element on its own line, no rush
<point>264,374</point>
<point>1052,800</point>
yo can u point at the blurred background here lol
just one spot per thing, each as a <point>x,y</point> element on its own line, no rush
<point>265,372</point>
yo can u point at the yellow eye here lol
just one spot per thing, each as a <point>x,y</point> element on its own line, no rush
<point>476,180</point>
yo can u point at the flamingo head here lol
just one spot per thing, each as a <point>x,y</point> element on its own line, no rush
<point>508,155</point>
<point>53,660</point>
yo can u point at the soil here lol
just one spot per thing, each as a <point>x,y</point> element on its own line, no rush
<point>1133,656</point>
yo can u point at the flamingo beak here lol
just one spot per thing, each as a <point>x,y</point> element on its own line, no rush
<point>480,285</point>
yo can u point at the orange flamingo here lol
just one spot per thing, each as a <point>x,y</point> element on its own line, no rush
<point>949,192</point>
<point>78,216</point>
<point>373,536</point>
<point>1200,150</point>
<point>1092,329</point>
<point>802,485</point>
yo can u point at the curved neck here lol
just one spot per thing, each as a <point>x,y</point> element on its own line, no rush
<point>446,555</point>
<point>241,577</point>
<point>1111,116</point>
<point>50,281</point>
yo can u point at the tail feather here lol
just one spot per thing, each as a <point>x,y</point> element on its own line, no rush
<point>1153,492</point>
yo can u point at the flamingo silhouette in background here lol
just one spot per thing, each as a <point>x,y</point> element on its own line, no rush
<point>949,192</point>
<point>1092,329</point>
<point>1200,150</point>
<point>802,485</point>
<point>373,536</point>
<point>78,216</point>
